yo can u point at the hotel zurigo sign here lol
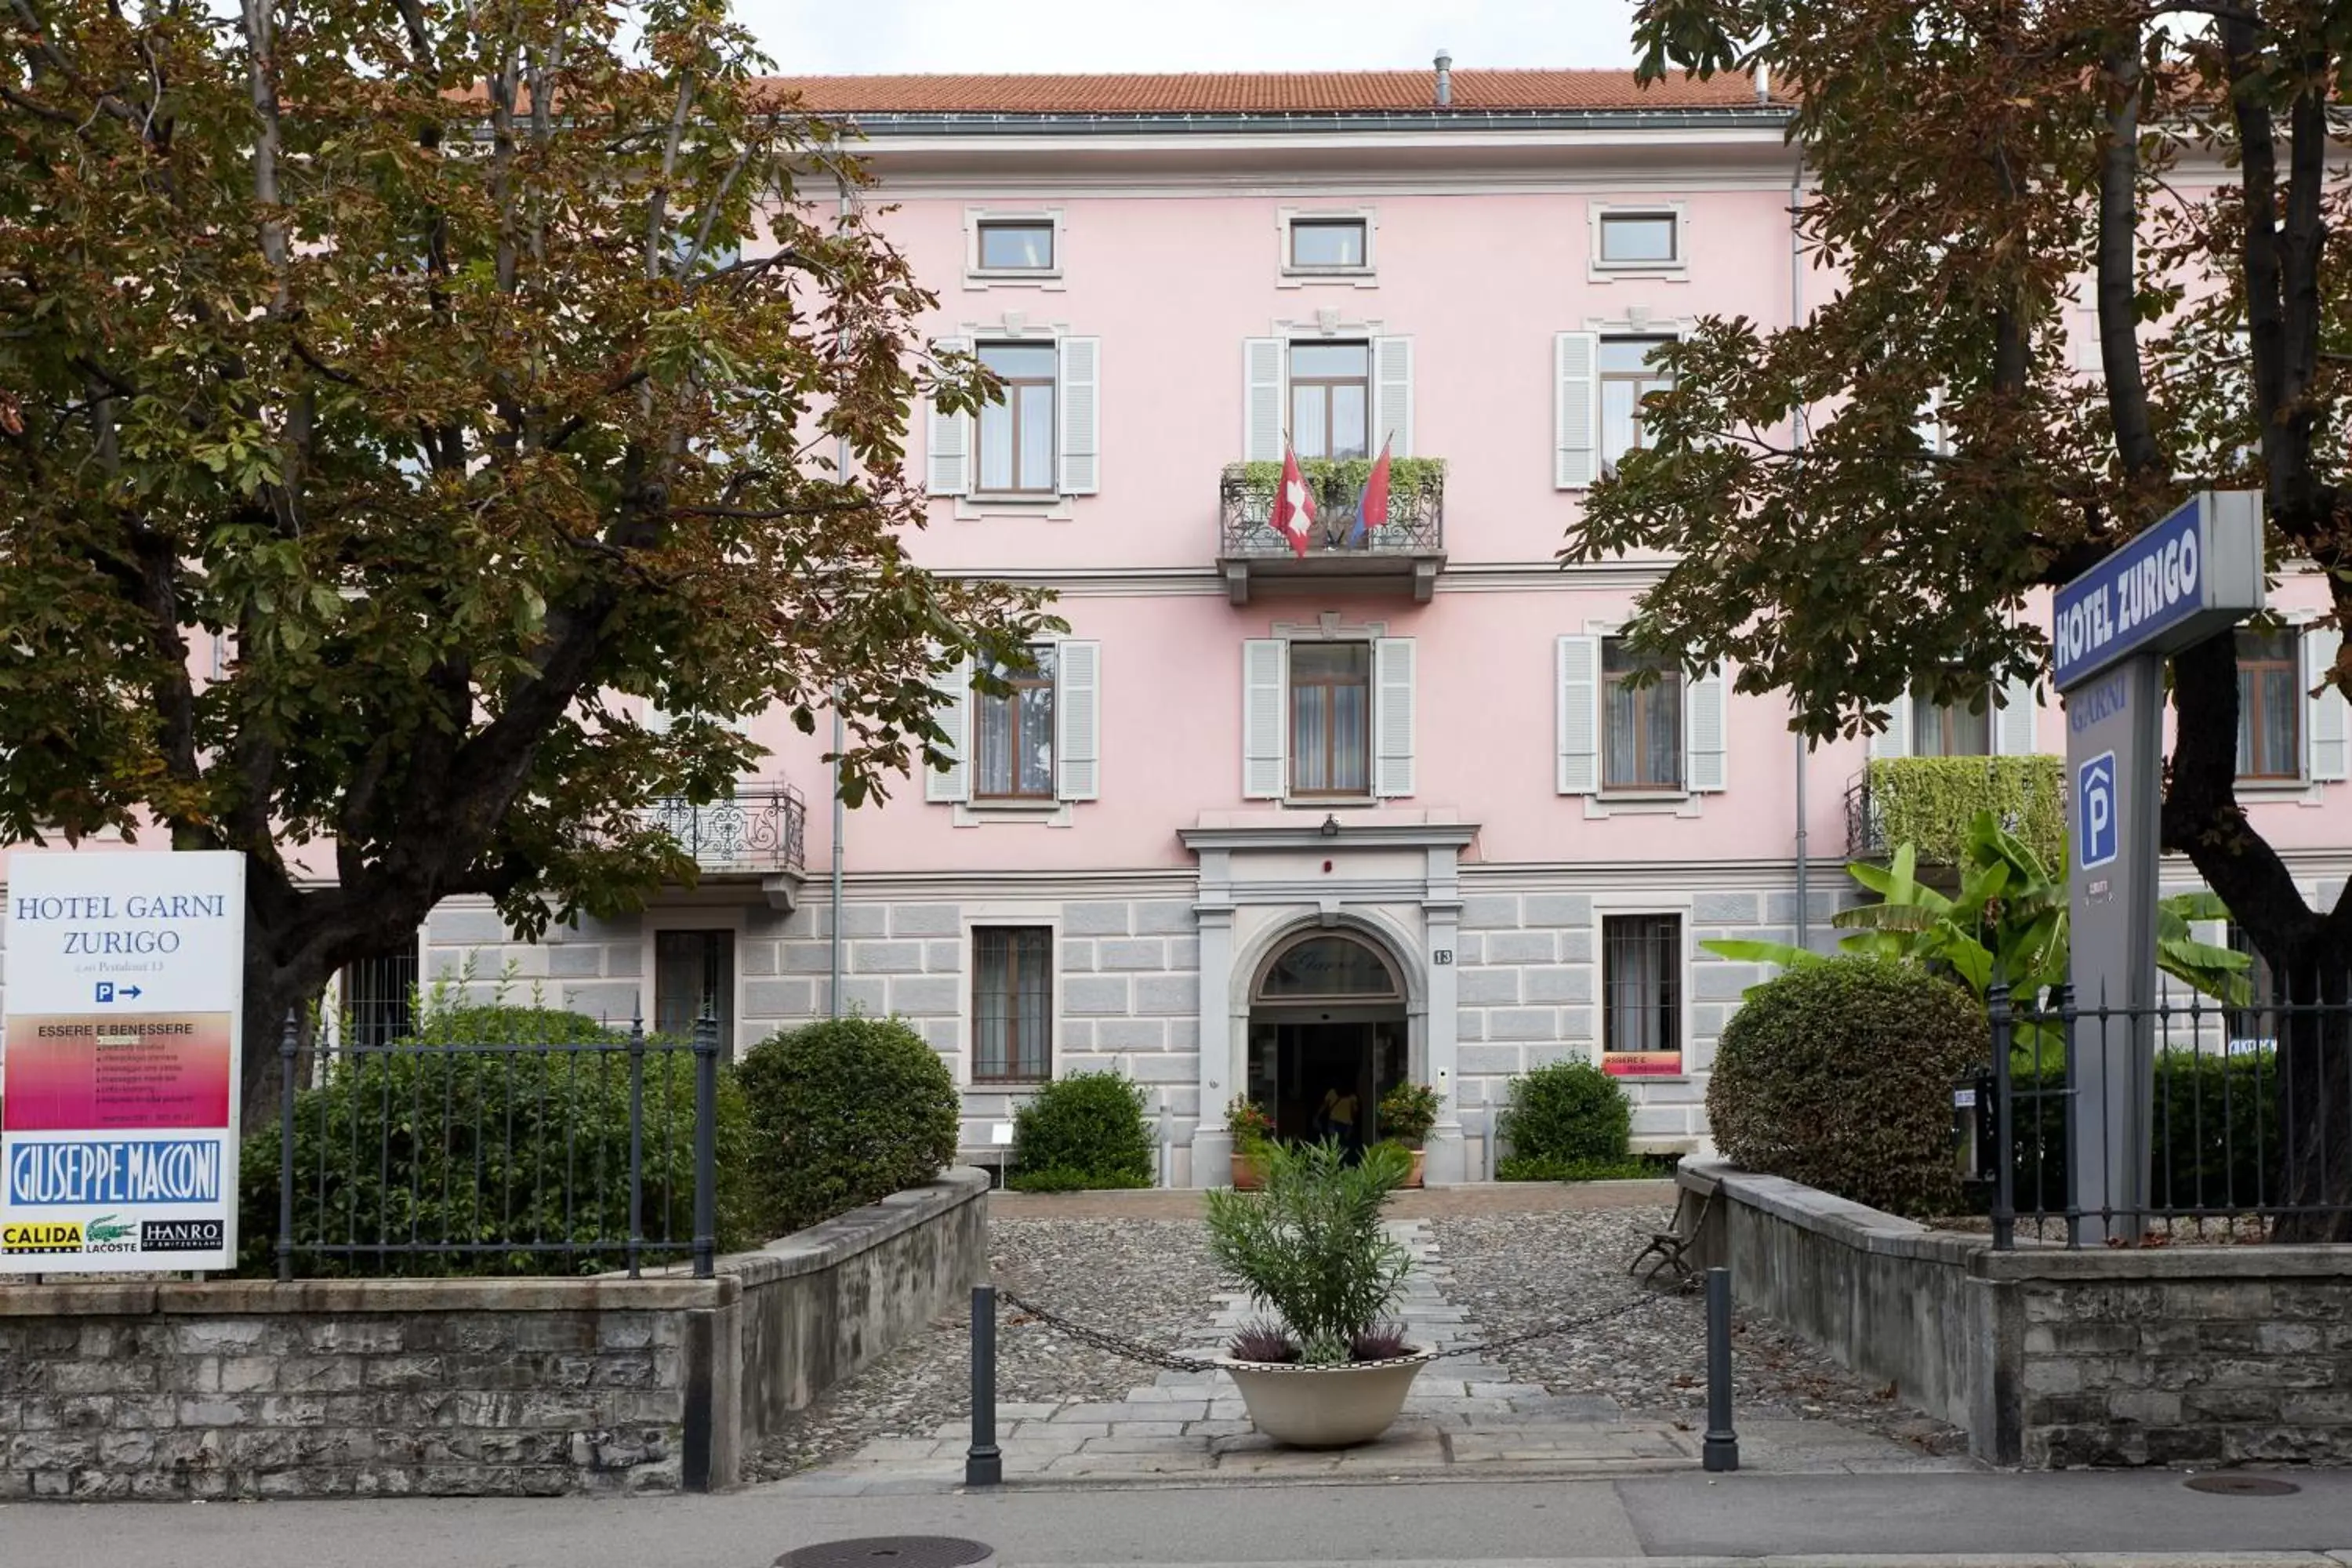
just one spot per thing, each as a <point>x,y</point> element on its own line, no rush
<point>120,1062</point>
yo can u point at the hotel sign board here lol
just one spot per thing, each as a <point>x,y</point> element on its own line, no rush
<point>119,1063</point>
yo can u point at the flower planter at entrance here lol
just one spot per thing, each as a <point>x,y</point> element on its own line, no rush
<point>1324,1406</point>
<point>1245,1173</point>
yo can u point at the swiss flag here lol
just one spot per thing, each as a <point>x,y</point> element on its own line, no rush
<point>1294,507</point>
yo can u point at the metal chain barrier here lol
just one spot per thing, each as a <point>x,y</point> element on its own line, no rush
<point>1135,1349</point>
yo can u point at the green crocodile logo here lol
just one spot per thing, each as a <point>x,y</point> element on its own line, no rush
<point>103,1228</point>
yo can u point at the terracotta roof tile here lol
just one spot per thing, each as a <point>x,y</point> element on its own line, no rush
<point>1271,92</point>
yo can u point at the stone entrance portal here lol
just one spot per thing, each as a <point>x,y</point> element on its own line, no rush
<point>1327,1034</point>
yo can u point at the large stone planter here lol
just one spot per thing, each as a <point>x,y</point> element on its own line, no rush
<point>1324,1406</point>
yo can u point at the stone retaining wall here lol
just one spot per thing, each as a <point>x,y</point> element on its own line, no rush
<point>2054,1359</point>
<point>515,1387</point>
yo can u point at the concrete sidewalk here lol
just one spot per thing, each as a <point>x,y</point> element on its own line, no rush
<point>2138,1520</point>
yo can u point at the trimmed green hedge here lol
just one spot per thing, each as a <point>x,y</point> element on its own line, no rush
<point>2216,1131</point>
<point>1084,1131</point>
<point>1565,1117</point>
<point>1929,802</point>
<point>844,1113</point>
<point>1839,1074</point>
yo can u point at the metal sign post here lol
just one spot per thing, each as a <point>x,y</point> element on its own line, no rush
<point>2197,572</point>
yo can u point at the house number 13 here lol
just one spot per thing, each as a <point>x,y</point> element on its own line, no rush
<point>1441,956</point>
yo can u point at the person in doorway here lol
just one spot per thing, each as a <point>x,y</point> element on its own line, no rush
<point>1339,1118</point>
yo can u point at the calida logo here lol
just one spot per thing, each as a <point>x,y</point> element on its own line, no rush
<point>46,1235</point>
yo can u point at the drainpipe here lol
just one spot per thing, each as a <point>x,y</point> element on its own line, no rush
<point>839,740</point>
<point>1444,79</point>
<point>1797,433</point>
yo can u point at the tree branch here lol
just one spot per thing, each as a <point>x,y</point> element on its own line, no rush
<point>2118,279</point>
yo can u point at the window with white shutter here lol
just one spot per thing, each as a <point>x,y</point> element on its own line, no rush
<point>1262,399</point>
<point>1577,661</point>
<point>1081,390</point>
<point>948,441</point>
<point>1265,685</point>
<point>1392,392</point>
<point>1575,357</point>
<point>2326,724</point>
<point>1077,717</point>
<point>1894,741</point>
<point>1392,716</point>
<point>954,714</point>
<point>2013,727</point>
<point>1704,769</point>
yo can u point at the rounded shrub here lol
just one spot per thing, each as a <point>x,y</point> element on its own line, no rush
<point>432,1143</point>
<point>1567,1121</point>
<point>845,1112</point>
<point>1084,1131</point>
<point>1839,1075</point>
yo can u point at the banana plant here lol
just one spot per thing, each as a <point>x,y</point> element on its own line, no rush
<point>2008,921</point>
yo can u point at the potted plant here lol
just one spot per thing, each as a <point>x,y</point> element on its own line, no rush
<point>1252,1131</point>
<point>1407,1113</point>
<point>1325,1371</point>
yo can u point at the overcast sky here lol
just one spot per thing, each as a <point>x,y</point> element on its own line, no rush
<point>834,36</point>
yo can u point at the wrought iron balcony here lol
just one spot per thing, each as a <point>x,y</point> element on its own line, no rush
<point>1929,803</point>
<point>1407,552</point>
<point>757,831</point>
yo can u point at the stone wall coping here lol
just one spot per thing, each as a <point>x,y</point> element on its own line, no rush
<point>91,1299</point>
<point>845,1236</point>
<point>1872,1230</point>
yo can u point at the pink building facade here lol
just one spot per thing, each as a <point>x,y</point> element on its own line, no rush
<point>1288,827</point>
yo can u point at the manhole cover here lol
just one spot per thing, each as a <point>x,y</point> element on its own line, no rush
<point>2243,1486</point>
<point>892,1551</point>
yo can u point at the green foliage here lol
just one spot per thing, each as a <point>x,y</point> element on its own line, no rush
<point>1839,1075</point>
<point>1062,1179</point>
<point>1523,1168</point>
<point>2009,921</point>
<point>1567,1114</point>
<point>845,1112</point>
<point>1089,1123</point>
<point>1325,476</point>
<point>2216,1130</point>
<point>429,1144</point>
<point>1249,1125</point>
<point>1933,803</point>
<point>1408,1111</point>
<point>1311,1247</point>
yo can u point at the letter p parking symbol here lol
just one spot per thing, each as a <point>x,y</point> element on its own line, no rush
<point>2095,810</point>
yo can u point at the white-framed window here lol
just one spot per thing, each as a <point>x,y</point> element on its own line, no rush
<point>1048,731</point>
<point>1012,1004</point>
<point>1328,718</point>
<point>1642,995</point>
<point>694,978</point>
<point>1616,737</point>
<point>1599,380</point>
<point>1040,441</point>
<point>1014,247</point>
<point>1918,726</point>
<point>1652,240</point>
<point>376,997</point>
<point>2291,731</point>
<point>1337,393</point>
<point>1322,245</point>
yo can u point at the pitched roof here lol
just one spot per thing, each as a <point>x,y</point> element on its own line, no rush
<point>1269,92</point>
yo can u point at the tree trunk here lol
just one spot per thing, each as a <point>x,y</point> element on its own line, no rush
<point>2314,1102</point>
<point>273,992</point>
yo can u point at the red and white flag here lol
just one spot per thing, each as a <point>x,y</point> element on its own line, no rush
<point>1294,507</point>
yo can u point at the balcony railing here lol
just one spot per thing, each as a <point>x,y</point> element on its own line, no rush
<point>760,829</point>
<point>1930,802</point>
<point>1408,549</point>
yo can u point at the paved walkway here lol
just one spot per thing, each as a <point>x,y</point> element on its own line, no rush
<point>1419,1203</point>
<point>1465,1418</point>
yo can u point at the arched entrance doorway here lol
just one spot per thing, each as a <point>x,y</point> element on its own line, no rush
<point>1327,1019</point>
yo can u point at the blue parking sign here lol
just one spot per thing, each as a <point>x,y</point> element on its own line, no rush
<point>2096,807</point>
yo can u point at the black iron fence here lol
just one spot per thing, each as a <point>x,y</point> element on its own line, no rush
<point>1415,524</point>
<point>575,1150</point>
<point>2224,1124</point>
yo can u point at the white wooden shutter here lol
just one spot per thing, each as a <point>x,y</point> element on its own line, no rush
<point>2324,714</point>
<point>1894,741</point>
<point>1703,733</point>
<point>1080,396</point>
<point>1392,377</point>
<point>2013,724</point>
<point>1576,409</point>
<point>1262,418</point>
<point>1077,719</point>
<point>1266,686</point>
<point>1392,716</point>
<point>954,714</point>
<point>1578,665</point>
<point>949,442</point>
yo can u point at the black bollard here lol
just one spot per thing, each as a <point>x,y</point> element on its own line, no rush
<point>983,1462</point>
<point>1721,1449</point>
